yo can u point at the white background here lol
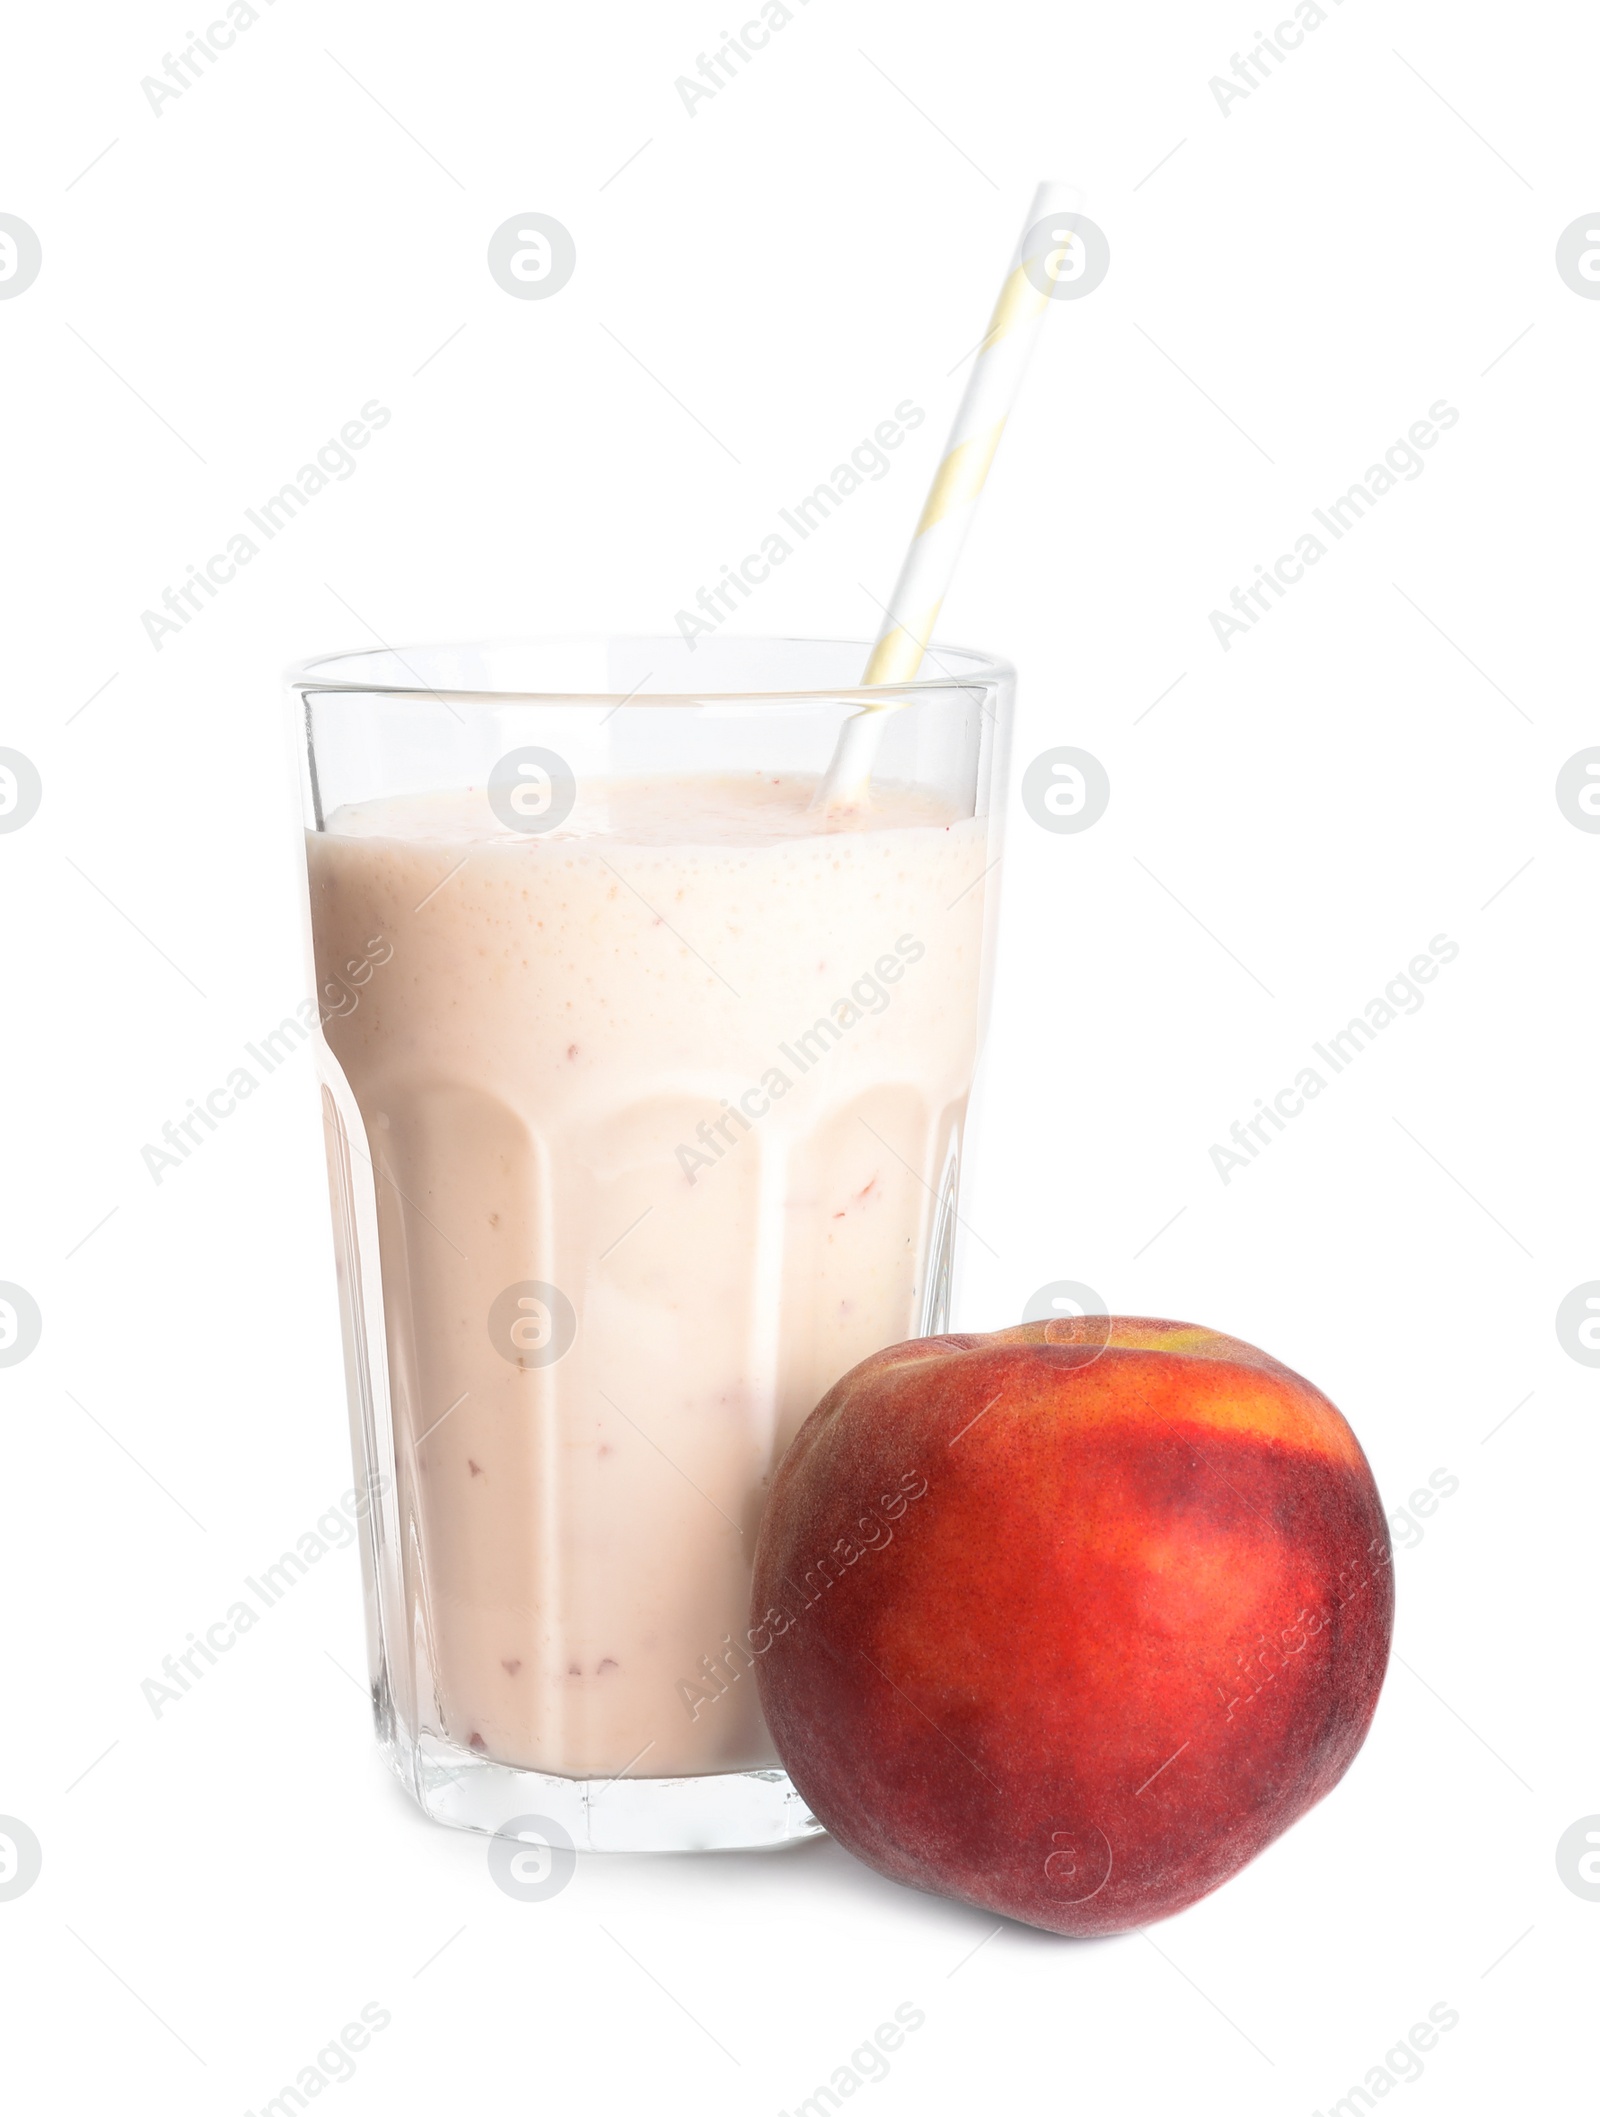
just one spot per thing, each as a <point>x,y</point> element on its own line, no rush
<point>1295,283</point>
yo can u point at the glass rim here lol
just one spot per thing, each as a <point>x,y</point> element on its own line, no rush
<point>317,675</point>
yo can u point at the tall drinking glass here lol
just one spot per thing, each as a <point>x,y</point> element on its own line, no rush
<point>644,1085</point>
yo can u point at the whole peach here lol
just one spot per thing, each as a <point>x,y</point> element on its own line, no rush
<point>1071,1620</point>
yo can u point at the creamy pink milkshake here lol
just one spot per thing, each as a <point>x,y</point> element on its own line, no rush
<point>662,1106</point>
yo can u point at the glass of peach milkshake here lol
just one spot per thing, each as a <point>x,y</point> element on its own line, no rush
<point>644,1080</point>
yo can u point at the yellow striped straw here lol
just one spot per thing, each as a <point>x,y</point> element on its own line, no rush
<point>997,370</point>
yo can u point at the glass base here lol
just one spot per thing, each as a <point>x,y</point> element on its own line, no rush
<point>718,1812</point>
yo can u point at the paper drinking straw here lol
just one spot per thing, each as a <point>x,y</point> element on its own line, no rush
<point>992,387</point>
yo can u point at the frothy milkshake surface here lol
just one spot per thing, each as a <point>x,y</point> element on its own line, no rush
<point>701,1067</point>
